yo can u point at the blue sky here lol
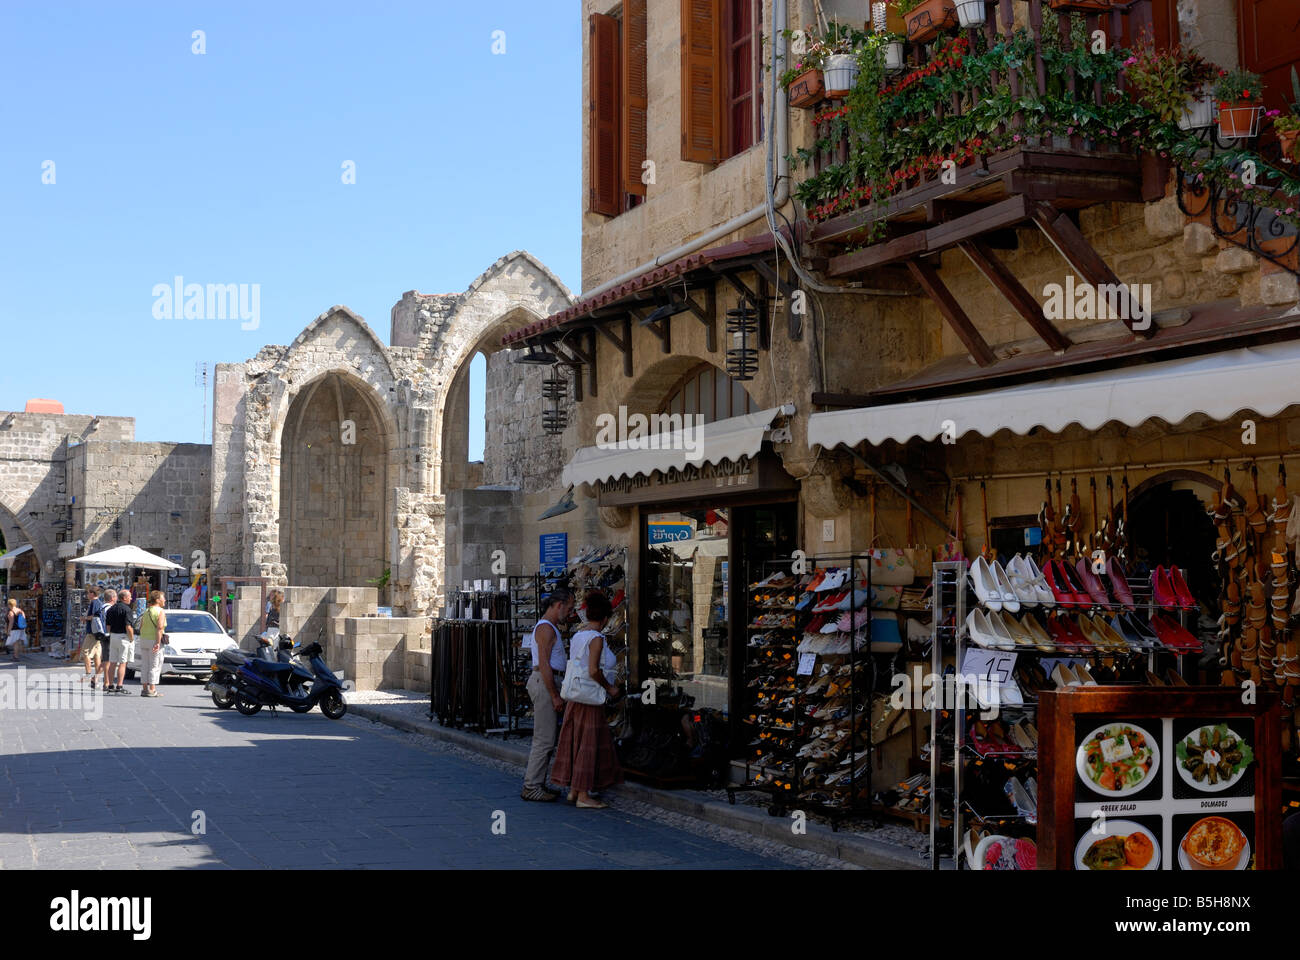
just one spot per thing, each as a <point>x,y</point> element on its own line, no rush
<point>227,167</point>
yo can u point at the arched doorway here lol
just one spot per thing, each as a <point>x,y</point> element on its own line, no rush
<point>1168,526</point>
<point>333,486</point>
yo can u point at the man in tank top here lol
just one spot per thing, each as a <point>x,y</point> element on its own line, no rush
<point>549,661</point>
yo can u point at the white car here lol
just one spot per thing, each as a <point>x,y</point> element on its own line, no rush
<point>194,639</point>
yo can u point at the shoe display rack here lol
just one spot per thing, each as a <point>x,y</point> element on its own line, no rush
<point>668,590</point>
<point>525,596</point>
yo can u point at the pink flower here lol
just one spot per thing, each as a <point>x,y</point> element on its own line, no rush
<point>1272,113</point>
<point>1130,61</point>
<point>1016,138</point>
<point>1290,209</point>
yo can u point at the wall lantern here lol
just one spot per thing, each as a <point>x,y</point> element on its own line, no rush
<point>555,390</point>
<point>742,327</point>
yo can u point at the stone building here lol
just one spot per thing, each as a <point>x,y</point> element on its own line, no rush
<point>924,364</point>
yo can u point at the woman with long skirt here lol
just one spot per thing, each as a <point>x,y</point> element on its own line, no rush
<point>585,759</point>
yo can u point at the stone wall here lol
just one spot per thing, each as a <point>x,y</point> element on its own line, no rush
<point>35,487</point>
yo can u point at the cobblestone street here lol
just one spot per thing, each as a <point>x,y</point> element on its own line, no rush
<point>295,791</point>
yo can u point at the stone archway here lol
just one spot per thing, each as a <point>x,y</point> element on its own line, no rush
<point>334,507</point>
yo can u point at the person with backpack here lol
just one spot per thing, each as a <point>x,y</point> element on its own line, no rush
<point>15,627</point>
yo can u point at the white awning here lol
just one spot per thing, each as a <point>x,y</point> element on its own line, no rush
<point>128,556</point>
<point>1263,379</point>
<point>8,559</point>
<point>625,452</point>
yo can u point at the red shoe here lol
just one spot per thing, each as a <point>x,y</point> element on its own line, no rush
<point>1061,636</point>
<point>1096,589</point>
<point>818,577</point>
<point>1184,596</point>
<point>618,598</point>
<point>1077,637</point>
<point>1070,579</point>
<point>1163,590</point>
<point>1119,584</point>
<point>1173,635</point>
<point>1053,573</point>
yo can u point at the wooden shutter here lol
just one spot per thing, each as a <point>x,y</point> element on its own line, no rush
<point>603,162</point>
<point>636,95</point>
<point>703,83</point>
<point>1268,34</point>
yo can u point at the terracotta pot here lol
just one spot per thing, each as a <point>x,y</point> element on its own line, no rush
<point>1240,119</point>
<point>807,90</point>
<point>925,22</point>
<point>1290,142</point>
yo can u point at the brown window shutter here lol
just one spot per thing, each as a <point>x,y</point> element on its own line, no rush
<point>604,167</point>
<point>636,95</point>
<point>703,86</point>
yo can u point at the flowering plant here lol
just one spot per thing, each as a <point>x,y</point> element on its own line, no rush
<point>1165,79</point>
<point>1239,86</point>
<point>815,48</point>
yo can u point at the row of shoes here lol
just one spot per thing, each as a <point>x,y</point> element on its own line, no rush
<point>1121,633</point>
<point>596,554</point>
<point>858,598</point>
<point>831,578</point>
<point>834,644</point>
<point>769,620</point>
<point>774,600</point>
<point>1082,584</point>
<point>996,738</point>
<point>774,581</point>
<point>829,623</point>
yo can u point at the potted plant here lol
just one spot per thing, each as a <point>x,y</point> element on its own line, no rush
<point>1287,126</point>
<point>1241,96</point>
<point>971,13</point>
<point>1171,84</point>
<point>802,79</point>
<point>925,18</point>
<point>841,65</point>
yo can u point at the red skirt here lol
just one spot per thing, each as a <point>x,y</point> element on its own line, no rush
<point>585,759</point>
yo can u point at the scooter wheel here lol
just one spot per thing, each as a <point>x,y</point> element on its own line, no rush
<point>333,705</point>
<point>226,702</point>
<point>247,707</point>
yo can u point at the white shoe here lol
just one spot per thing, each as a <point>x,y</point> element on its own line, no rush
<point>1024,566</point>
<point>1010,600</point>
<point>1023,588</point>
<point>1063,677</point>
<point>985,584</point>
<point>983,630</point>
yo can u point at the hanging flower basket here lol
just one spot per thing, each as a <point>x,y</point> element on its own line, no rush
<point>894,56</point>
<point>971,13</point>
<point>925,22</point>
<point>1199,112</point>
<point>807,89</point>
<point>841,74</point>
<point>1239,120</point>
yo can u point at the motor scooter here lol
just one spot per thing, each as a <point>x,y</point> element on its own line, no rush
<point>261,683</point>
<point>223,684</point>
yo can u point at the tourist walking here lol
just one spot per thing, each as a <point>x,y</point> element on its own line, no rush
<point>121,642</point>
<point>15,628</point>
<point>543,687</point>
<point>585,759</point>
<point>92,646</point>
<point>153,637</point>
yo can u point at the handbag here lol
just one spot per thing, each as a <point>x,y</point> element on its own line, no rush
<point>885,635</point>
<point>951,549</point>
<point>889,566</point>
<point>578,687</point>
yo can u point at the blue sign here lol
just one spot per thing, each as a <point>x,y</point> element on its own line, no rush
<point>553,551</point>
<point>669,532</point>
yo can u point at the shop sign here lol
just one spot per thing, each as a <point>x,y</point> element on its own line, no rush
<point>553,551</point>
<point>669,532</point>
<point>728,477</point>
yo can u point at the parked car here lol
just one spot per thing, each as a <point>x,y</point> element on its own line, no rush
<point>194,639</point>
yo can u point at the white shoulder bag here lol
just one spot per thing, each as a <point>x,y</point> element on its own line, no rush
<point>578,687</point>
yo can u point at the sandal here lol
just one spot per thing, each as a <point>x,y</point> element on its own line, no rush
<point>591,806</point>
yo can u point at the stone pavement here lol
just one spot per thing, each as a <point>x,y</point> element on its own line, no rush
<point>296,791</point>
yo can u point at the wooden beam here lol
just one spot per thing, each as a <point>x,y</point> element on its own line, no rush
<point>997,273</point>
<point>929,280</point>
<point>623,343</point>
<point>877,254</point>
<point>1005,213</point>
<point>707,314</point>
<point>1064,186</point>
<point>1088,263</point>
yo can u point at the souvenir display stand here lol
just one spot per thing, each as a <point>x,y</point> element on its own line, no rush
<point>1176,778</point>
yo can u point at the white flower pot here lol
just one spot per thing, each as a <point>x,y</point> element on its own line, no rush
<point>1199,112</point>
<point>840,73</point>
<point>894,56</point>
<point>970,13</point>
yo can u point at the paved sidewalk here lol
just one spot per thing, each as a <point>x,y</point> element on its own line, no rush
<point>124,790</point>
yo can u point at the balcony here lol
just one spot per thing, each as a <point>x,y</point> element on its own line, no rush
<point>1022,121</point>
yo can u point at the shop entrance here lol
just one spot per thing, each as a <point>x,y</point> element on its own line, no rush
<point>1168,526</point>
<point>694,568</point>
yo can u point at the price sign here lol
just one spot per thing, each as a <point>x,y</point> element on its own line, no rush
<point>806,662</point>
<point>990,676</point>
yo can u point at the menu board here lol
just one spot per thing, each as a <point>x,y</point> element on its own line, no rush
<point>1148,778</point>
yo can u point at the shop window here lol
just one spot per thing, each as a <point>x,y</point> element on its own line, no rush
<point>709,391</point>
<point>619,108</point>
<point>721,78</point>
